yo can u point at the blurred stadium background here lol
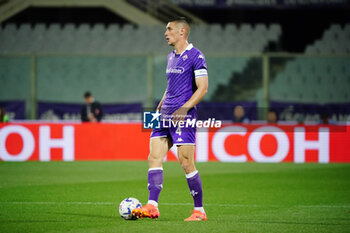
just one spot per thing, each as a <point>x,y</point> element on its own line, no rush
<point>292,56</point>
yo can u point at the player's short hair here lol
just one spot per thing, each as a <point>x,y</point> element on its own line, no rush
<point>87,94</point>
<point>184,22</point>
<point>272,110</point>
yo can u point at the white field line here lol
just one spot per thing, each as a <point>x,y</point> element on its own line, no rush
<point>167,204</point>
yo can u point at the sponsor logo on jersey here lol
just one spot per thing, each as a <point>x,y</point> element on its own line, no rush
<point>175,70</point>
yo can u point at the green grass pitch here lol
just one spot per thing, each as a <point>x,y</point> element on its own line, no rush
<point>246,197</point>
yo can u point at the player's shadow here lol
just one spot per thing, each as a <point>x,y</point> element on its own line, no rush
<point>84,215</point>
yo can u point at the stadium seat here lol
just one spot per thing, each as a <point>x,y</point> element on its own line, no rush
<point>312,79</point>
<point>274,32</point>
<point>92,73</point>
<point>335,40</point>
<point>112,30</point>
<point>103,66</point>
<point>10,29</point>
<point>130,39</point>
<point>246,29</point>
<point>8,38</point>
<point>230,30</point>
<point>15,87</point>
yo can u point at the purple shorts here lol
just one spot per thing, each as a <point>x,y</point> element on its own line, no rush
<point>178,135</point>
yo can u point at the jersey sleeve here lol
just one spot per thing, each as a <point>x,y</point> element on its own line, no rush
<point>200,66</point>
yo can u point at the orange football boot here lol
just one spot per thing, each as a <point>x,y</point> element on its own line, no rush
<point>197,216</point>
<point>147,211</point>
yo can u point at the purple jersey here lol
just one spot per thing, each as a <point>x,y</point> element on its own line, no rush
<point>181,71</point>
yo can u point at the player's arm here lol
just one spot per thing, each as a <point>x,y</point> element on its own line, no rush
<point>161,102</point>
<point>202,88</point>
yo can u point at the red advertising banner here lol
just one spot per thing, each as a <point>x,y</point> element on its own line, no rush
<point>119,141</point>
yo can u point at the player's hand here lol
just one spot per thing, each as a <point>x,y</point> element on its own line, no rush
<point>92,117</point>
<point>180,114</point>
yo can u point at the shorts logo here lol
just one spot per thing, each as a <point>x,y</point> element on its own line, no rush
<point>151,120</point>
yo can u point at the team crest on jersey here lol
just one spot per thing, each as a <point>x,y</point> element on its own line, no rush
<point>201,56</point>
<point>184,58</point>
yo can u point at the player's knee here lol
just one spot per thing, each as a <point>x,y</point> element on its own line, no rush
<point>152,157</point>
<point>187,166</point>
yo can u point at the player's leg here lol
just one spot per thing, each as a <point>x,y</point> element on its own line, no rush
<point>159,147</point>
<point>186,159</point>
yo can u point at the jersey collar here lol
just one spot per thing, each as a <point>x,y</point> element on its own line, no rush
<point>189,47</point>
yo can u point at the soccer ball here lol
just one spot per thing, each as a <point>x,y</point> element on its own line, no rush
<point>126,206</point>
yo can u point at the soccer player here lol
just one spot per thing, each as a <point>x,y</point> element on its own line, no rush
<point>187,84</point>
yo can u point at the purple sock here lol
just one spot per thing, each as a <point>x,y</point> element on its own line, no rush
<point>195,185</point>
<point>155,183</point>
